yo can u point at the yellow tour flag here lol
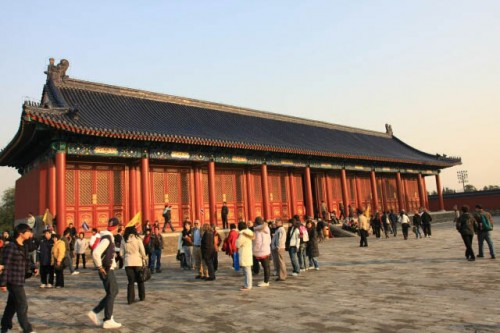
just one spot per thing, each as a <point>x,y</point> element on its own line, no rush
<point>135,220</point>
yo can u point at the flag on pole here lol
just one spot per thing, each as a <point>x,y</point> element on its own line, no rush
<point>135,220</point>
<point>85,226</point>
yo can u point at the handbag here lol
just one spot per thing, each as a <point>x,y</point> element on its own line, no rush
<point>144,273</point>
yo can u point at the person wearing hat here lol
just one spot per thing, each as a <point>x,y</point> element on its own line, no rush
<point>16,262</point>
<point>104,259</point>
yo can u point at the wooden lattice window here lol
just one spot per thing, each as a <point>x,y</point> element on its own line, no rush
<point>239,187</point>
<point>299,191</point>
<point>158,187</point>
<point>284,196</point>
<point>185,187</point>
<point>275,188</point>
<point>228,186</point>
<point>204,180</point>
<point>70,187</point>
<point>117,187</point>
<point>173,187</point>
<point>257,185</point>
<point>85,187</point>
<point>102,187</point>
<point>218,187</point>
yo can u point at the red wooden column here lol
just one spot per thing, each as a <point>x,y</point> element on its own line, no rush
<point>399,190</point>
<point>373,183</point>
<point>358,193</point>
<point>421,191</point>
<point>61,189</point>
<point>440,192</point>
<point>328,187</point>
<point>426,197</point>
<point>309,196</point>
<point>265,192</point>
<point>145,189</point>
<point>51,183</point>
<point>198,194</point>
<point>211,193</point>
<point>293,195</point>
<point>384,194</point>
<point>132,179</point>
<point>250,195</point>
<point>343,184</point>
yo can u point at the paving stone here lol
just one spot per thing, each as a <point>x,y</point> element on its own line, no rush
<point>393,285</point>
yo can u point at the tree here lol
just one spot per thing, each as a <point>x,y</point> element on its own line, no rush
<point>491,187</point>
<point>448,190</point>
<point>470,188</point>
<point>7,209</point>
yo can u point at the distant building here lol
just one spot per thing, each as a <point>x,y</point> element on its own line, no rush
<point>90,151</point>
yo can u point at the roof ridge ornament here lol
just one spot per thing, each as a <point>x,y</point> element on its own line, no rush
<point>388,129</point>
<point>57,73</point>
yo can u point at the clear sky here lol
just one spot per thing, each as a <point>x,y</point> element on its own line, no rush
<point>429,68</point>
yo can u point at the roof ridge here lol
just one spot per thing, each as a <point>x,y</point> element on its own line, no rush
<point>161,97</point>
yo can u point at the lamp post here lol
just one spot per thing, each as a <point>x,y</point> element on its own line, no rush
<point>462,177</point>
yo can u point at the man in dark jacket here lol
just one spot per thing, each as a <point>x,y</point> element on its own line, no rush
<point>167,215</point>
<point>466,227</point>
<point>426,222</point>
<point>208,250</point>
<point>44,258</point>
<point>155,246</point>
<point>223,214</point>
<point>17,267</point>
<point>394,222</point>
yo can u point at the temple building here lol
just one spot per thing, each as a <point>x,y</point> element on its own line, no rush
<point>89,151</point>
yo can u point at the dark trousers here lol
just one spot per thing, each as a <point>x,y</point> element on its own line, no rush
<point>376,230</point>
<point>133,277</point>
<point>394,226</point>
<point>469,252</point>
<point>118,259</point>
<point>47,271</point>
<point>210,267</point>
<point>16,303</point>
<point>216,261</point>
<point>225,225</point>
<point>78,260</point>
<point>169,222</point>
<point>405,227</point>
<point>255,266</point>
<point>59,277</point>
<point>364,238</point>
<point>267,269</point>
<point>155,258</point>
<point>111,288</point>
<point>427,229</point>
<point>387,230</point>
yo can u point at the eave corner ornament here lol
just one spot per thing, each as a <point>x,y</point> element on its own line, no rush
<point>57,72</point>
<point>388,129</point>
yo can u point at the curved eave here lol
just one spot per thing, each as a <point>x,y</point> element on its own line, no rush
<point>24,135</point>
<point>152,137</point>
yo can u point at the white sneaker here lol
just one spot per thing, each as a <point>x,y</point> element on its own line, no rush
<point>48,286</point>
<point>317,268</point>
<point>75,273</point>
<point>263,284</point>
<point>43,285</point>
<point>294,274</point>
<point>93,317</point>
<point>111,324</point>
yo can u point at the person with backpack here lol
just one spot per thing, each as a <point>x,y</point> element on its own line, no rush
<point>426,222</point>
<point>466,226</point>
<point>104,259</point>
<point>484,227</point>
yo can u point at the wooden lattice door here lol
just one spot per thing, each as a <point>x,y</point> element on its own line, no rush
<point>278,195</point>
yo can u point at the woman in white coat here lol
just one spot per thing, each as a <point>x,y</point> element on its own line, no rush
<point>133,253</point>
<point>244,245</point>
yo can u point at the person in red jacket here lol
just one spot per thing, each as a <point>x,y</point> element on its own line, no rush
<point>229,245</point>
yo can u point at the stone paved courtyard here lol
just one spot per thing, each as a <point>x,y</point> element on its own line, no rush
<point>393,285</point>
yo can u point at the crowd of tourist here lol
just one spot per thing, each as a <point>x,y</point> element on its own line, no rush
<point>253,246</point>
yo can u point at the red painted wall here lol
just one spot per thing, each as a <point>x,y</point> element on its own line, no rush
<point>490,200</point>
<point>30,193</point>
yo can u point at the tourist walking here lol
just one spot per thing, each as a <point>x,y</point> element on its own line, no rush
<point>363,226</point>
<point>278,243</point>
<point>134,257</point>
<point>200,271</point>
<point>229,245</point>
<point>312,245</point>
<point>404,220</point>
<point>304,238</point>
<point>484,224</point>
<point>293,244</point>
<point>81,246</point>
<point>59,259</point>
<point>386,221</point>
<point>156,248</point>
<point>104,259</point>
<point>245,256</point>
<point>208,250</point>
<point>376,223</point>
<point>187,244</point>
<point>417,222</point>
<point>394,222</point>
<point>68,241</point>
<point>16,266</point>
<point>167,215</point>
<point>45,260</point>
<point>426,222</point>
<point>466,226</point>
<point>261,248</point>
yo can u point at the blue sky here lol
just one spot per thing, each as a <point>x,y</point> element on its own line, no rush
<point>429,68</point>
